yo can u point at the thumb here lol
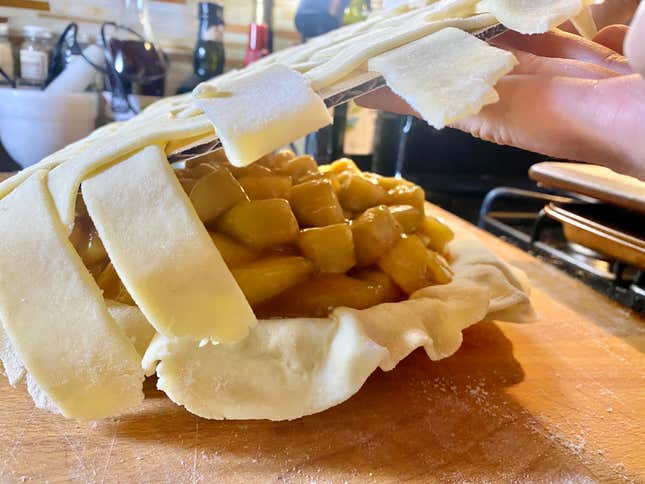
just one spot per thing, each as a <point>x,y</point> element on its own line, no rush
<point>612,37</point>
<point>542,115</point>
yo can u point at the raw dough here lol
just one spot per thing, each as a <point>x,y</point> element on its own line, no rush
<point>377,42</point>
<point>263,111</point>
<point>293,367</point>
<point>65,180</point>
<point>57,158</point>
<point>133,323</point>
<point>531,16</point>
<point>445,76</point>
<point>54,315</point>
<point>283,370</point>
<point>162,252</point>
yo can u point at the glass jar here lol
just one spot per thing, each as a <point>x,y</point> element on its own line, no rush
<point>34,56</point>
<point>6,56</point>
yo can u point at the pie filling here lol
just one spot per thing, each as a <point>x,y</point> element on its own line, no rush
<point>302,239</point>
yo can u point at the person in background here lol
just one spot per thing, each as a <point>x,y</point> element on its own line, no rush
<point>316,17</point>
<point>569,98</point>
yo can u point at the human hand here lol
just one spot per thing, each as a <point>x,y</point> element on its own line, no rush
<point>568,98</point>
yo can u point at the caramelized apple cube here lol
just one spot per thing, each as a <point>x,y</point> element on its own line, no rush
<point>387,288</point>
<point>260,223</point>
<point>408,216</point>
<point>266,278</point>
<point>413,267</point>
<point>233,253</point>
<point>201,170</point>
<point>318,296</point>
<point>298,168</point>
<point>215,193</point>
<point>109,281</point>
<point>254,170</point>
<point>438,233</point>
<point>315,204</point>
<point>277,160</point>
<point>261,188</point>
<point>359,192</point>
<point>87,243</point>
<point>334,180</point>
<point>187,184</point>
<point>213,158</point>
<point>340,165</point>
<point>331,248</point>
<point>391,182</point>
<point>406,195</point>
<point>375,232</point>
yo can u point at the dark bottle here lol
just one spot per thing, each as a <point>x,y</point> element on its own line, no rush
<point>208,57</point>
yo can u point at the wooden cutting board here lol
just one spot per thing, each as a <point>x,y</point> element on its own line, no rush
<point>562,399</point>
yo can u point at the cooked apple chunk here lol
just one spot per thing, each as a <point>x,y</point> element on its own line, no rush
<point>298,168</point>
<point>109,281</point>
<point>266,278</point>
<point>359,192</point>
<point>408,216</point>
<point>315,203</point>
<point>255,170</point>
<point>388,182</point>
<point>260,224</point>
<point>233,253</point>
<point>215,193</point>
<point>375,232</point>
<point>331,248</point>
<point>340,165</point>
<point>276,160</point>
<point>387,288</point>
<point>87,243</point>
<point>201,170</point>
<point>406,195</point>
<point>261,188</point>
<point>318,296</point>
<point>438,233</point>
<point>412,266</point>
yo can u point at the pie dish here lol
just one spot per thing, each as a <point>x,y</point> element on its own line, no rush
<point>117,264</point>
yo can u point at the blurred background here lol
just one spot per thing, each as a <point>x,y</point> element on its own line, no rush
<point>72,66</point>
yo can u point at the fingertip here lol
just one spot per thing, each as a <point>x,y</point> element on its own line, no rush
<point>612,37</point>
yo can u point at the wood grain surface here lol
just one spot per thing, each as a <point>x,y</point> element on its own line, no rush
<point>560,400</point>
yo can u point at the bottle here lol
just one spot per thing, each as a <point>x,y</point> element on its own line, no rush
<point>6,56</point>
<point>34,56</point>
<point>208,57</point>
<point>356,11</point>
<point>260,34</point>
<point>259,43</point>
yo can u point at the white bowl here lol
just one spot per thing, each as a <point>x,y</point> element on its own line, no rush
<point>34,124</point>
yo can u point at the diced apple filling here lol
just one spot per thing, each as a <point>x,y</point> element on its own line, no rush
<point>300,239</point>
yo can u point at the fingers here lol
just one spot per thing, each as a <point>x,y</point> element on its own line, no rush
<point>576,119</point>
<point>529,64</point>
<point>530,115</point>
<point>635,41</point>
<point>551,67</point>
<point>612,37</point>
<point>558,44</point>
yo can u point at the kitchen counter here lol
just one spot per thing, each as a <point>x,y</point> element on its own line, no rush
<point>561,399</point>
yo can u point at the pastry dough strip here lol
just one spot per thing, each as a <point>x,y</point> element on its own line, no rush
<point>55,316</point>
<point>162,252</point>
<point>65,180</point>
